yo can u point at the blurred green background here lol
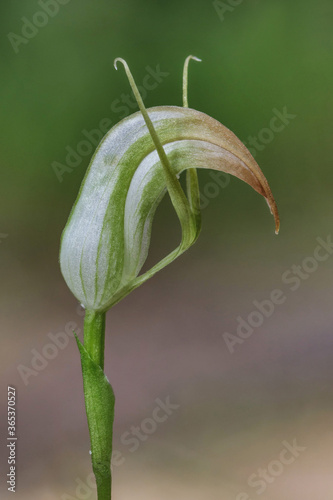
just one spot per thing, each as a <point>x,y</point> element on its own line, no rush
<point>167,338</point>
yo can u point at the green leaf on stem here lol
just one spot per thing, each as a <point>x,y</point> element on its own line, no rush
<point>99,400</point>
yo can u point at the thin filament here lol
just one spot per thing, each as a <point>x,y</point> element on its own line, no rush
<point>185,79</point>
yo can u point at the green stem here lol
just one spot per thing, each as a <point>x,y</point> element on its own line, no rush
<point>100,432</point>
<point>94,336</point>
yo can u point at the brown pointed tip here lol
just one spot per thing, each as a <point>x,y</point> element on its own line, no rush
<point>267,193</point>
<point>276,216</point>
<point>273,208</point>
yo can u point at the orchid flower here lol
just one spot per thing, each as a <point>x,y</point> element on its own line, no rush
<point>106,239</point>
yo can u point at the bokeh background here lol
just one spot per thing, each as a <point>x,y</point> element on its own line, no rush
<point>167,338</point>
